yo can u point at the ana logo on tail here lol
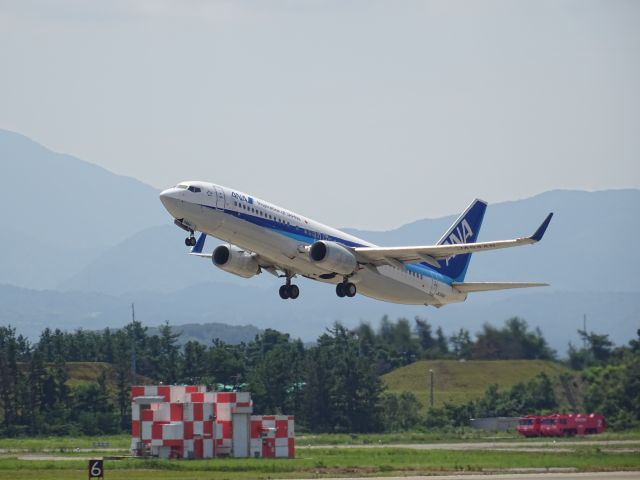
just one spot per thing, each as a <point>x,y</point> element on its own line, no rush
<point>460,235</point>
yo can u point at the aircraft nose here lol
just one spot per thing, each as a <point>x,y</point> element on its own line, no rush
<point>168,198</point>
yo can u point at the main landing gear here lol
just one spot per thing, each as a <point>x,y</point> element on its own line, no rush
<point>190,241</point>
<point>346,289</point>
<point>289,290</point>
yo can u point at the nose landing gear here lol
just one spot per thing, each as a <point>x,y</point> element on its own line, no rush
<point>190,241</point>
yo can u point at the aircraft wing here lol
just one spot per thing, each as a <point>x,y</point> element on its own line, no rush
<point>398,256</point>
<point>468,287</point>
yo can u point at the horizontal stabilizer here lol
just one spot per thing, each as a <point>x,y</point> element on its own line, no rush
<point>467,287</point>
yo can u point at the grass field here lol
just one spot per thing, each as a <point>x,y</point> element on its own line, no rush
<point>458,382</point>
<point>329,462</point>
<point>57,444</point>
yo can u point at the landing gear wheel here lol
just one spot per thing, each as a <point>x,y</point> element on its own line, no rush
<point>284,292</point>
<point>294,292</point>
<point>350,289</point>
<point>190,241</point>
<point>340,290</point>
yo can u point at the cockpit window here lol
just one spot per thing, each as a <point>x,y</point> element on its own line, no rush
<point>194,189</point>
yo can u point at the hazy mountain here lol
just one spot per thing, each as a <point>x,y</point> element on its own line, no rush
<point>61,212</point>
<point>558,314</point>
<point>154,260</point>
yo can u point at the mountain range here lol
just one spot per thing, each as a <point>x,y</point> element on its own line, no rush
<point>83,243</point>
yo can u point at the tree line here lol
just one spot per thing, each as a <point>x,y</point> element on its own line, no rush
<point>333,385</point>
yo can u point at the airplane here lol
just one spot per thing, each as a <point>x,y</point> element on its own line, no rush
<point>263,237</point>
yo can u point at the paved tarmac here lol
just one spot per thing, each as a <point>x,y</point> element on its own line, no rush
<point>532,446</point>
<point>518,476</point>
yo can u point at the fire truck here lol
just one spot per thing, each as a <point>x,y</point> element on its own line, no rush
<point>567,425</point>
<point>529,425</point>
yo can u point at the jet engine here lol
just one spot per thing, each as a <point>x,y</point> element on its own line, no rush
<point>333,257</point>
<point>235,260</point>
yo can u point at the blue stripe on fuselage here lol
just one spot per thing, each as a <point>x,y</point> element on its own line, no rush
<point>310,236</point>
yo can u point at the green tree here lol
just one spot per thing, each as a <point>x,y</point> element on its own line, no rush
<point>399,412</point>
<point>462,345</point>
<point>342,387</point>
<point>513,341</point>
<point>10,378</point>
<point>194,365</point>
<point>169,364</point>
<point>275,379</point>
<point>226,364</point>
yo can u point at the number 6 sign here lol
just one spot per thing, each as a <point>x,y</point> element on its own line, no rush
<point>96,469</point>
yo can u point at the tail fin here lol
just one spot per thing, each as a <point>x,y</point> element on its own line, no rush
<point>464,230</point>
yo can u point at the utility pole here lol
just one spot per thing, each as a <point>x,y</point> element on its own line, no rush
<point>431,388</point>
<point>584,329</point>
<point>133,345</point>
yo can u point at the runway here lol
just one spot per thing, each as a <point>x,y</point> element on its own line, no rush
<point>532,446</point>
<point>517,476</point>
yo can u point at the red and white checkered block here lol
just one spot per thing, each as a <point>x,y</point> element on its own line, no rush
<point>228,403</point>
<point>239,399</point>
<point>285,448</point>
<point>172,431</point>
<point>145,430</point>
<point>158,412</point>
<point>223,437</point>
<point>223,411</point>
<point>198,412</point>
<point>201,397</point>
<point>277,426</point>
<point>135,443</point>
<point>198,429</point>
<point>207,448</point>
<point>170,393</point>
<point>274,434</point>
<point>188,449</point>
<point>195,388</point>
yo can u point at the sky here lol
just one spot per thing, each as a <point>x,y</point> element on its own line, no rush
<point>367,114</point>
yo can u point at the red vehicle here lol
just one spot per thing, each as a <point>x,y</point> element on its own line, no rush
<point>589,424</point>
<point>529,425</point>
<point>566,425</point>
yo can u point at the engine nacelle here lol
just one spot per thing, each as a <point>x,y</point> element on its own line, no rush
<point>235,260</point>
<point>333,257</point>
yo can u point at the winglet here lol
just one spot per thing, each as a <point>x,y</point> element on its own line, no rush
<point>541,229</point>
<point>197,248</point>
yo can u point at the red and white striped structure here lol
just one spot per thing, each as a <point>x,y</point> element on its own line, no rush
<point>172,421</point>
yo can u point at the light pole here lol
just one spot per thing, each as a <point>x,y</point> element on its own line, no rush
<point>431,387</point>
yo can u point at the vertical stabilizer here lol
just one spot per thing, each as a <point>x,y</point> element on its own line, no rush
<point>464,230</point>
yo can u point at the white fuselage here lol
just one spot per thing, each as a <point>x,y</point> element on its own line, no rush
<point>281,238</point>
